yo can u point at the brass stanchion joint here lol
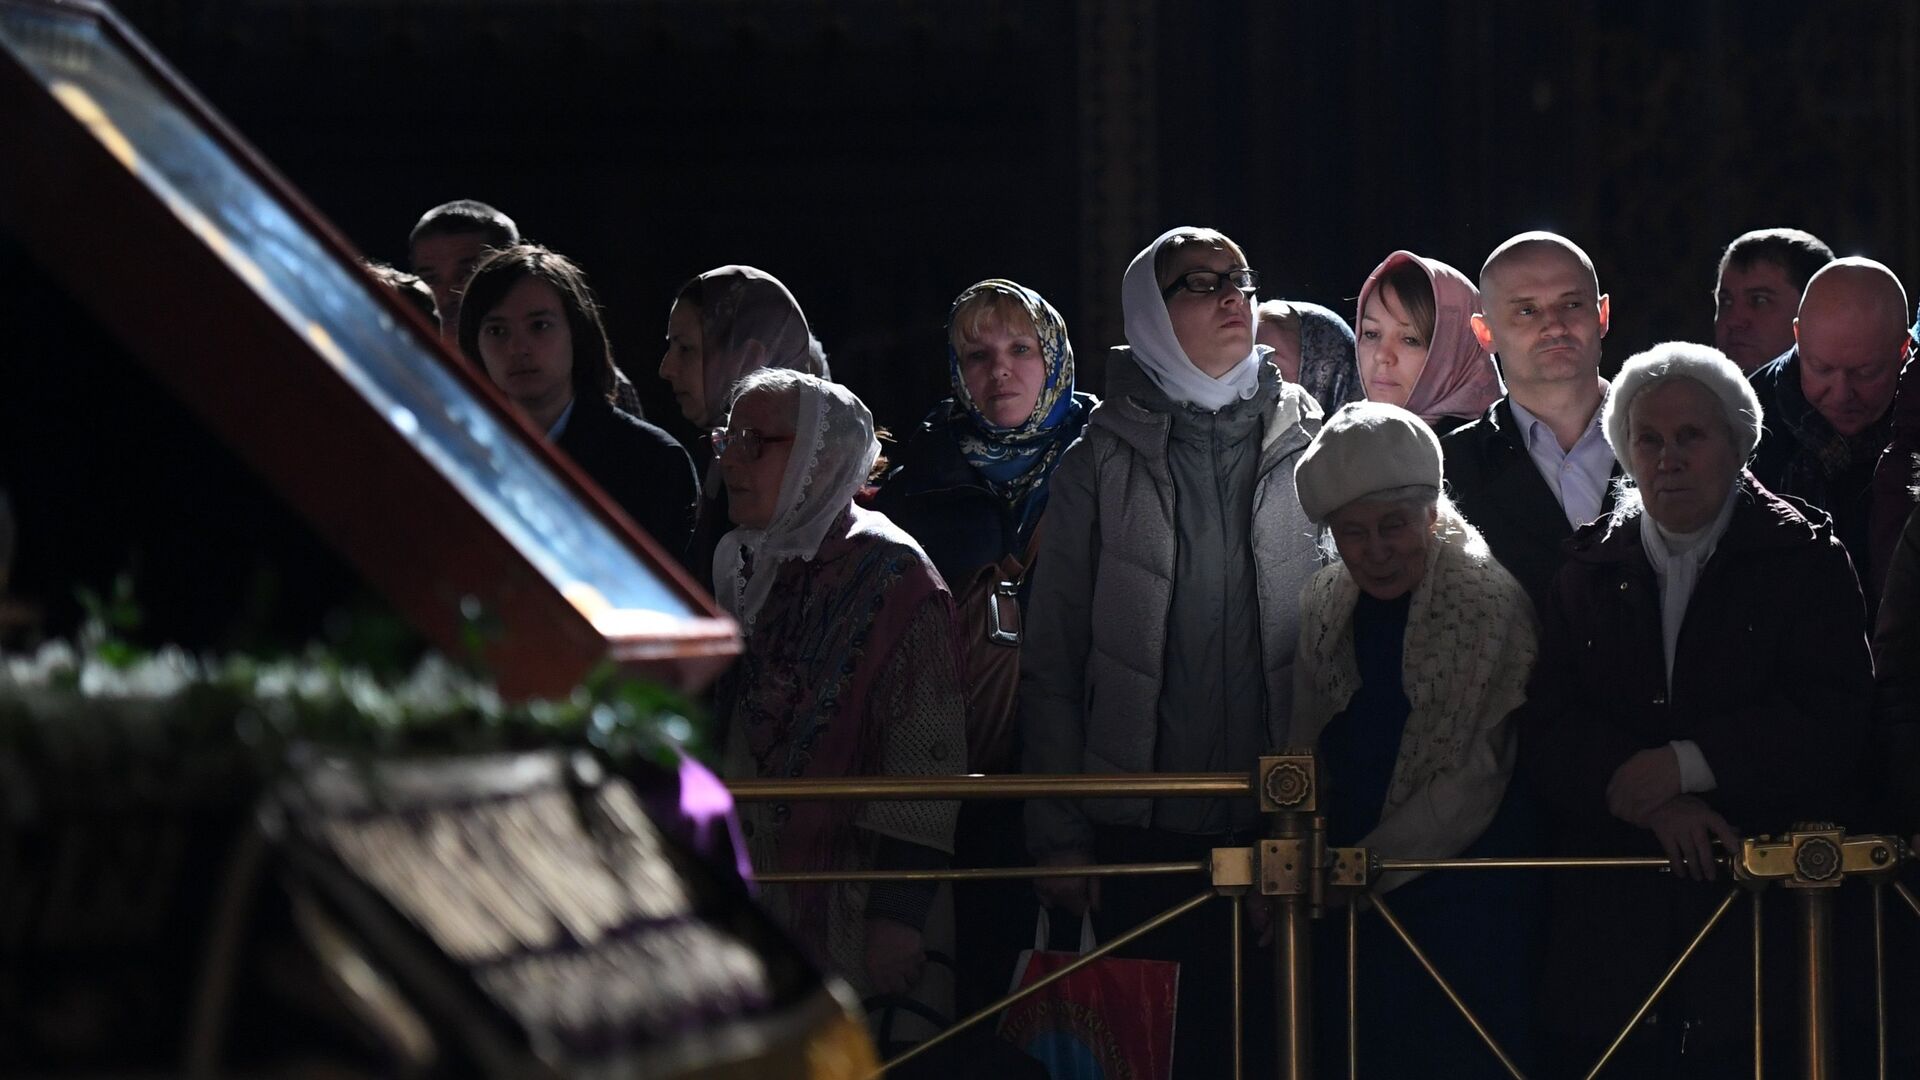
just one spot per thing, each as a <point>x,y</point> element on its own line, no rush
<point>1232,870</point>
<point>1287,782</point>
<point>1284,866</point>
<point>1817,855</point>
<point>1352,868</point>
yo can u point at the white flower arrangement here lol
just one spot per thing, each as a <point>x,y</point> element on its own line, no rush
<point>68,693</point>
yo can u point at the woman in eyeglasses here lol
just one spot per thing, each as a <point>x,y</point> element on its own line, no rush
<point>1415,342</point>
<point>1161,631</point>
<point>529,321</point>
<point>850,669</point>
<point>724,325</point>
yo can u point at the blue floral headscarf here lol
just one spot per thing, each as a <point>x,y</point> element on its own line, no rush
<point>1017,460</point>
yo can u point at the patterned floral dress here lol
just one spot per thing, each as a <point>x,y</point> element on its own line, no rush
<point>851,669</point>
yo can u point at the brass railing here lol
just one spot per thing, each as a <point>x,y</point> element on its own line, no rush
<point>1295,869</point>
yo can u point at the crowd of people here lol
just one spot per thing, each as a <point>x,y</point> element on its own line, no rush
<point>1516,606</point>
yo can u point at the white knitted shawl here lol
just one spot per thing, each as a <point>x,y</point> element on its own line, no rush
<point>1469,649</point>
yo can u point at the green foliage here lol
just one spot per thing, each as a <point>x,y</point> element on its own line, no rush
<point>110,696</point>
<point>111,620</point>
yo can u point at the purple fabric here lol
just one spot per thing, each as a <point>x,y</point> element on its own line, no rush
<point>704,801</point>
<point>692,807</point>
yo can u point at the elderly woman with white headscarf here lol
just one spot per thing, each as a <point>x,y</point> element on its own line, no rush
<point>724,325</point>
<point>1703,676</point>
<point>851,668</point>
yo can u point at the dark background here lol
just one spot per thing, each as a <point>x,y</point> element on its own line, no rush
<point>880,155</point>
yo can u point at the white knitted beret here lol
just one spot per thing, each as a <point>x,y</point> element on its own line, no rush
<point>1366,448</point>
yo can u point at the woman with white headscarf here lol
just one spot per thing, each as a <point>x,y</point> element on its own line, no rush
<point>724,325</point>
<point>851,668</point>
<point>1164,614</point>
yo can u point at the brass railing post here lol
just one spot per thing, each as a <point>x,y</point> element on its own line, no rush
<point>1288,788</point>
<point>1759,985</point>
<point>1816,981</point>
<point>1879,979</point>
<point>1294,869</point>
<point>1812,862</point>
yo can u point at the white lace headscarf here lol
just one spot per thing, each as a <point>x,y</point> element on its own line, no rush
<point>833,454</point>
<point>1157,349</point>
<point>750,321</point>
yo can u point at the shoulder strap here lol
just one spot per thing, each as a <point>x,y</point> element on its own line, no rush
<point>1016,570</point>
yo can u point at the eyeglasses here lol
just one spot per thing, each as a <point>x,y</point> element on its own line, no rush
<point>1207,282</point>
<point>750,442</point>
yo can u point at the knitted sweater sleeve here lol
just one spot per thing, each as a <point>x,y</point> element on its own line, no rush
<point>1452,805</point>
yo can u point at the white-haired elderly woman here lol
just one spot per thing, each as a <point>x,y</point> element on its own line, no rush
<point>1415,647</point>
<point>851,668</point>
<point>1703,675</point>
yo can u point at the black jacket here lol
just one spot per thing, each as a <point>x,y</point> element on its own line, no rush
<point>1896,646</point>
<point>944,503</point>
<point>1848,497</point>
<point>1772,677</point>
<point>640,466</point>
<point>1771,681</point>
<point>1497,487</point>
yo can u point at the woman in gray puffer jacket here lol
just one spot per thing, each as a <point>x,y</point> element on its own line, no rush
<point>1166,600</point>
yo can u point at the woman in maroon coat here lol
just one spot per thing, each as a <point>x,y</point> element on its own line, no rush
<point>1703,676</point>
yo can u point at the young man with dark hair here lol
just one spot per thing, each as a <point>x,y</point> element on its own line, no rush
<point>449,243</point>
<point>445,246</point>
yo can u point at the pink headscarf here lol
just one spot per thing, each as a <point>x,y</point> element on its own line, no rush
<point>1458,379</point>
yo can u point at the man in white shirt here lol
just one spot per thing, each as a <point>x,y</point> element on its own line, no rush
<point>1536,466</point>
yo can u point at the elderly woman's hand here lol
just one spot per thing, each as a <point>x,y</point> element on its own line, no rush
<point>1642,784</point>
<point>896,956</point>
<point>1686,827</point>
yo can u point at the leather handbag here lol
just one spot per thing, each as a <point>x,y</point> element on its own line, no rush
<point>988,610</point>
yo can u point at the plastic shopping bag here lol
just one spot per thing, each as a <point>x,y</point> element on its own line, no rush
<point>1111,1019</point>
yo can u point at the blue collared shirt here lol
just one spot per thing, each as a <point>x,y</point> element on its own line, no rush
<point>559,427</point>
<point>1578,477</point>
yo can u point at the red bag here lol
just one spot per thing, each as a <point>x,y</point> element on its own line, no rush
<point>1111,1019</point>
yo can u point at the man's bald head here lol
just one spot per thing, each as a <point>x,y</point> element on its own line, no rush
<point>1542,314</point>
<point>1852,339</point>
<point>1530,245</point>
<point>1856,288</point>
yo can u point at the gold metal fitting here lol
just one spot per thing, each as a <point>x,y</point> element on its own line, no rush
<point>1286,782</point>
<point>1283,867</point>
<point>1351,868</point>
<point>1818,855</point>
<point>1232,869</point>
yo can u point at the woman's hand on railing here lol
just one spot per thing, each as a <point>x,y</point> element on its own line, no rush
<point>1686,828</point>
<point>1076,895</point>
<point>896,956</point>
